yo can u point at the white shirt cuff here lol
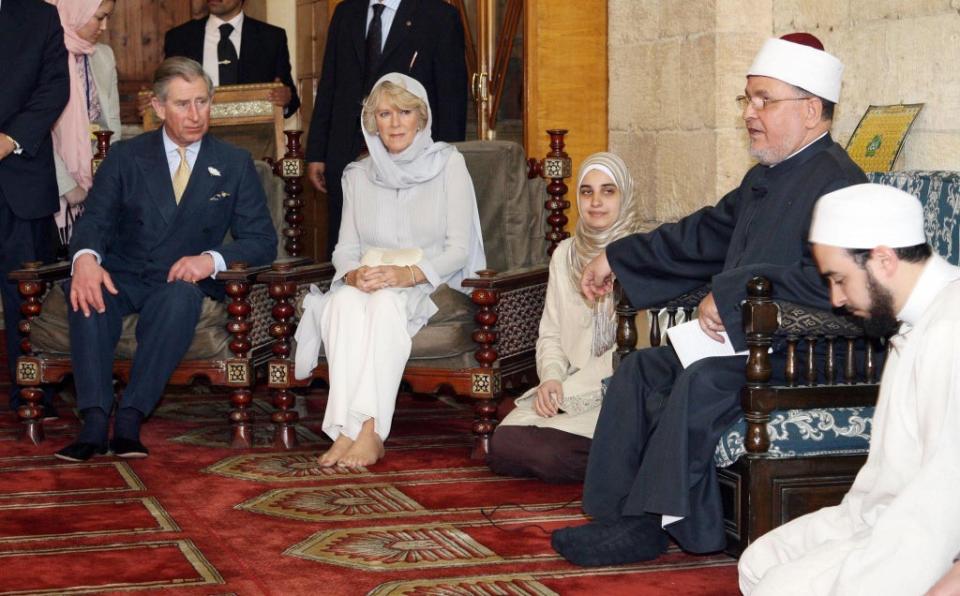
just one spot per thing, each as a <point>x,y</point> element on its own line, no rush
<point>84,251</point>
<point>218,263</point>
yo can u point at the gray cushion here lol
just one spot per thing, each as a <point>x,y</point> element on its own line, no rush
<point>511,206</point>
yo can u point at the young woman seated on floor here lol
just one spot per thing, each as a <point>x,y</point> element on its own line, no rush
<point>548,433</point>
<point>410,228</point>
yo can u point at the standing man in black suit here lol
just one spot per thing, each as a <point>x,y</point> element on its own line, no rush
<point>236,49</point>
<point>36,86</point>
<point>366,40</point>
<point>151,241</point>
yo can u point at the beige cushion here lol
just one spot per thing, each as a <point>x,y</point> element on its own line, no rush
<point>51,334</point>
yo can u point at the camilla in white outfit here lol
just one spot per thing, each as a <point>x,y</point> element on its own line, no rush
<point>414,207</point>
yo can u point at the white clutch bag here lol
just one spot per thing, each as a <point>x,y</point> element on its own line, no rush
<point>400,257</point>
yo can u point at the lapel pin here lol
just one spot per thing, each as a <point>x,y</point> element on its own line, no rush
<point>213,171</point>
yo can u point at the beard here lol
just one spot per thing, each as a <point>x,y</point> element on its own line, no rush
<point>882,321</point>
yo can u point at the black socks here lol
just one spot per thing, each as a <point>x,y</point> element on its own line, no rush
<point>94,428</point>
<point>127,424</point>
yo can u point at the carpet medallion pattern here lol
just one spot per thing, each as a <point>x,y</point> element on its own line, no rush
<point>197,518</point>
<point>400,547</point>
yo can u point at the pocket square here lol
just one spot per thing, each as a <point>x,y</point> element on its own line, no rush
<point>220,195</point>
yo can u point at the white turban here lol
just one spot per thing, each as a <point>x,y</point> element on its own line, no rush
<point>806,67</point>
<point>868,216</point>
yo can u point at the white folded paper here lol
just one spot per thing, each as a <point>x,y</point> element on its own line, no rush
<point>692,344</point>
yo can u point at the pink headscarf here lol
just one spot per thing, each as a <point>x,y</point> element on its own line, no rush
<point>71,133</point>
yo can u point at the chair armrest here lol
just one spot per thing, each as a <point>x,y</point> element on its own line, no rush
<point>299,271</point>
<point>240,272</point>
<point>510,306</point>
<point>488,279</point>
<point>762,322</point>
<point>36,272</point>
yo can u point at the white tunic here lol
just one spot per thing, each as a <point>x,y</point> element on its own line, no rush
<point>898,528</point>
<point>564,353</point>
<point>368,336</point>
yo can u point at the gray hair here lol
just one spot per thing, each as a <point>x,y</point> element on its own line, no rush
<point>396,96</point>
<point>178,67</point>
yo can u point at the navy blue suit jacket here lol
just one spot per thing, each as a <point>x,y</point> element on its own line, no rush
<point>263,53</point>
<point>34,88</point>
<point>133,221</point>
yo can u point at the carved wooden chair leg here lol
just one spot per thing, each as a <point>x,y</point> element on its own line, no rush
<point>487,382</point>
<point>28,367</point>
<point>284,418</point>
<point>239,373</point>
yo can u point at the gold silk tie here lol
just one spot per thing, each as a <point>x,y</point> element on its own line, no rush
<point>181,176</point>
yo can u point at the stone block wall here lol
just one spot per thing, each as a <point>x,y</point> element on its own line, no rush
<point>676,66</point>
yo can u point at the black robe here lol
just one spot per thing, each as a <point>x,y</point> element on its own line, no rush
<point>653,447</point>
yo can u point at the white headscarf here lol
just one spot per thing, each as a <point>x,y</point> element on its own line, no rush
<point>423,160</point>
<point>588,242</point>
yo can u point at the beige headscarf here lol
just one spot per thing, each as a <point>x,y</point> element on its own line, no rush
<point>588,242</point>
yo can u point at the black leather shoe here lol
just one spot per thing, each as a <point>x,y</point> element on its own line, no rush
<point>50,413</point>
<point>128,448</point>
<point>629,540</point>
<point>80,451</point>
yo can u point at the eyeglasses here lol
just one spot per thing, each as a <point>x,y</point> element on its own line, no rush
<point>760,103</point>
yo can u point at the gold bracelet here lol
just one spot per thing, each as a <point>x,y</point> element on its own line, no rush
<point>413,276</point>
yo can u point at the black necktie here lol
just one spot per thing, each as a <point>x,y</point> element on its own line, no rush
<point>227,56</point>
<point>374,41</point>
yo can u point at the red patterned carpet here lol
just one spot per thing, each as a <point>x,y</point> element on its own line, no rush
<point>196,518</point>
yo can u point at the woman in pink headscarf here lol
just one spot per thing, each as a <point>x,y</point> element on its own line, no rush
<point>94,102</point>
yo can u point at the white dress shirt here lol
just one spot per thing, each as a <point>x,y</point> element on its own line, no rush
<point>390,8</point>
<point>211,38</point>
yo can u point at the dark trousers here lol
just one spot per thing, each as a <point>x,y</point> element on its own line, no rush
<point>653,447</point>
<point>21,240</point>
<point>168,318</point>
<point>333,175</point>
<point>549,454</point>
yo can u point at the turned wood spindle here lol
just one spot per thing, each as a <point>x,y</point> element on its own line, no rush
<point>284,417</point>
<point>760,322</point>
<point>557,165</point>
<point>485,410</point>
<point>656,334</point>
<point>627,333</point>
<point>870,363</point>
<point>830,365</point>
<point>791,371</point>
<point>31,412</point>
<point>238,326</point>
<point>810,376</point>
<point>850,364</point>
<point>291,168</point>
<point>103,146</point>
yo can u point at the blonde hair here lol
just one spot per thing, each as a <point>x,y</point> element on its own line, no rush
<point>397,96</point>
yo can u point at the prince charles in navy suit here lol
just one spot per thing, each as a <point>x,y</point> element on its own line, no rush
<point>151,241</point>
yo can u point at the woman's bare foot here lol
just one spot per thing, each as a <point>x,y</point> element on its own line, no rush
<point>332,456</point>
<point>366,450</point>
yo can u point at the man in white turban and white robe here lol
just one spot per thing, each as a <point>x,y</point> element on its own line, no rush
<point>898,528</point>
<point>650,472</point>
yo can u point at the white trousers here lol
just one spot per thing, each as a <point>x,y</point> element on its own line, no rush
<point>367,347</point>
